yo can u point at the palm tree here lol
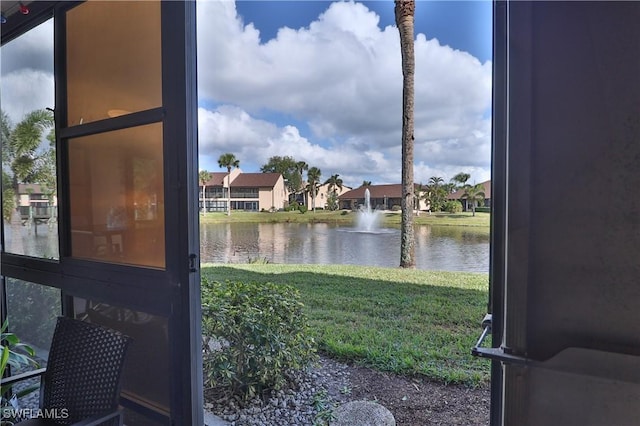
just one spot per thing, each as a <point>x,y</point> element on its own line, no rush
<point>404,12</point>
<point>473,194</point>
<point>365,183</point>
<point>313,178</point>
<point>435,193</point>
<point>228,161</point>
<point>24,156</point>
<point>204,177</point>
<point>301,167</point>
<point>460,180</point>
<point>334,182</point>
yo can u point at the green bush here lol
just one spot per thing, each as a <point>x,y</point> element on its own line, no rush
<point>302,208</point>
<point>33,311</point>
<point>483,209</point>
<point>256,334</point>
<point>452,206</point>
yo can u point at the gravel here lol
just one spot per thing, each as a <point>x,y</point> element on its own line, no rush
<point>310,399</point>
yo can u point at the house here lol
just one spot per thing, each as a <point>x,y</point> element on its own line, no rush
<point>459,195</point>
<point>249,191</point>
<point>36,201</point>
<point>382,197</point>
<point>322,197</point>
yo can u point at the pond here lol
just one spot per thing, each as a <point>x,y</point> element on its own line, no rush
<point>448,248</point>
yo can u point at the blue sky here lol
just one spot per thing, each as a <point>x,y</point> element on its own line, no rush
<point>464,25</point>
<point>320,81</point>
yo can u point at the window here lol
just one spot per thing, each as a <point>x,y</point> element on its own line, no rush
<point>29,190</point>
<point>113,70</point>
<point>116,196</point>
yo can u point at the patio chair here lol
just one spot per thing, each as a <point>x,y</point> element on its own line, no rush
<point>81,384</point>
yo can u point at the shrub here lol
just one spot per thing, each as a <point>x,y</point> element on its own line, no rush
<point>302,208</point>
<point>33,311</point>
<point>483,209</point>
<point>344,212</point>
<point>396,208</point>
<point>256,335</point>
<point>452,206</point>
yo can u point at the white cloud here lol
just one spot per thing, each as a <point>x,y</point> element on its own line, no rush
<point>342,77</point>
<point>339,81</point>
<point>25,91</point>
<point>26,81</point>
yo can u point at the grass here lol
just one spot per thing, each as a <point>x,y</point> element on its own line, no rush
<point>404,321</point>
<point>345,217</point>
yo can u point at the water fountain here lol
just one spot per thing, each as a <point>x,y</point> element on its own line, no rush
<point>367,218</point>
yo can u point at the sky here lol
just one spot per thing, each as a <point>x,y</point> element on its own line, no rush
<point>320,81</point>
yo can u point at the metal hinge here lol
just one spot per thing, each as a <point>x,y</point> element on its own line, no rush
<point>495,354</point>
<point>193,262</point>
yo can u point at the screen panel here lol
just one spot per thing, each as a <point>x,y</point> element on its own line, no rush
<point>113,60</point>
<point>116,196</point>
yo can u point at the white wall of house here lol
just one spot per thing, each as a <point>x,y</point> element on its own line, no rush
<point>323,194</point>
<point>276,197</point>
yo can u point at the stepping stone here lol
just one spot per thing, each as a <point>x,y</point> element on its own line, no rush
<point>362,413</point>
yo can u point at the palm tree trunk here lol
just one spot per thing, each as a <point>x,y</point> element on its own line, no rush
<point>404,12</point>
<point>229,189</point>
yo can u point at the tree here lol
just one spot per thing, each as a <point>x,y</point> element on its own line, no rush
<point>365,183</point>
<point>473,194</point>
<point>313,180</point>
<point>435,193</point>
<point>332,197</point>
<point>460,180</point>
<point>204,177</point>
<point>288,168</point>
<point>404,13</point>
<point>332,201</point>
<point>25,158</point>
<point>229,161</point>
<point>301,167</point>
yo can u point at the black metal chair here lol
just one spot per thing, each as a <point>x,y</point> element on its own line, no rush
<point>81,384</point>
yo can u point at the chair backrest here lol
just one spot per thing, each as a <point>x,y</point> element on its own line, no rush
<point>83,370</point>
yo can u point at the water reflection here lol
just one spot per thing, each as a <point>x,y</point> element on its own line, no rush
<point>448,248</point>
<point>437,248</point>
<point>38,240</point>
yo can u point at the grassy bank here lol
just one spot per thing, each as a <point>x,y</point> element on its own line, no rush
<point>404,321</point>
<point>347,218</point>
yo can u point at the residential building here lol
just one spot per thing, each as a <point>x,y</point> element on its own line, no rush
<point>322,197</point>
<point>382,197</point>
<point>459,195</point>
<point>36,201</point>
<point>249,191</point>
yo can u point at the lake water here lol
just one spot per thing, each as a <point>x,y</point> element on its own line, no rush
<point>448,248</point>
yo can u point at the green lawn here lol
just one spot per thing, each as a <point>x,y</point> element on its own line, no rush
<point>346,217</point>
<point>404,321</point>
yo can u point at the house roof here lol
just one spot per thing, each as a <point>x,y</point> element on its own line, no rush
<point>33,188</point>
<point>216,178</point>
<point>459,193</point>
<point>246,180</point>
<point>375,191</point>
<point>256,180</point>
